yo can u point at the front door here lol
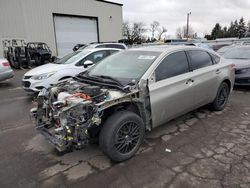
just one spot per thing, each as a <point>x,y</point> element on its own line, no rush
<point>171,94</point>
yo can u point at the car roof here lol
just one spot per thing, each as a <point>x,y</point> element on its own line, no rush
<point>96,44</point>
<point>98,49</point>
<point>167,48</point>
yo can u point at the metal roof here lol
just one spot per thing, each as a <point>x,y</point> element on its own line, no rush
<point>110,2</point>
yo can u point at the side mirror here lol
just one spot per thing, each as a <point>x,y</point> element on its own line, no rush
<point>87,63</point>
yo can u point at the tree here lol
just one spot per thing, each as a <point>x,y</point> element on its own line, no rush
<point>231,30</point>
<point>208,37</point>
<point>236,29</point>
<point>133,32</point>
<point>224,32</point>
<point>161,31</point>
<point>154,27</point>
<point>248,30</point>
<point>241,28</point>
<point>181,32</point>
<point>217,31</point>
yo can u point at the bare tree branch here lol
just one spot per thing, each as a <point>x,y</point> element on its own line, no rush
<point>154,27</point>
<point>161,31</point>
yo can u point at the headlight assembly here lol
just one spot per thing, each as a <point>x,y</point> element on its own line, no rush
<point>43,76</point>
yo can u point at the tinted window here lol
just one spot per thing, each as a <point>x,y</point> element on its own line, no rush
<point>173,65</point>
<point>115,46</point>
<point>101,46</point>
<point>216,58</point>
<point>200,59</point>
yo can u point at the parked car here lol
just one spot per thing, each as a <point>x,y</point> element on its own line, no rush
<point>223,50</point>
<point>130,92</point>
<point>105,45</point>
<point>5,70</point>
<point>39,52</point>
<point>240,56</point>
<point>68,66</point>
<point>16,53</point>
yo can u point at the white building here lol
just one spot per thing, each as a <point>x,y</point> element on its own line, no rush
<point>60,23</point>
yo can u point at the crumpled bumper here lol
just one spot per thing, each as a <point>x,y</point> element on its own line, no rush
<point>60,144</point>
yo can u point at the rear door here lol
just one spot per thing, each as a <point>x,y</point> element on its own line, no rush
<point>171,93</point>
<point>205,76</point>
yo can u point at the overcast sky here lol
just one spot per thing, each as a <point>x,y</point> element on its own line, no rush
<point>172,13</point>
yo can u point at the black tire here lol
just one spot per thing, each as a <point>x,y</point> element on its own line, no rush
<point>221,98</point>
<point>121,135</point>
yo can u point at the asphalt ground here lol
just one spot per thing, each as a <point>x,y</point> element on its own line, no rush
<point>199,149</point>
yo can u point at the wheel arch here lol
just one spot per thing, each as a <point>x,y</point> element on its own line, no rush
<point>228,82</point>
<point>134,107</point>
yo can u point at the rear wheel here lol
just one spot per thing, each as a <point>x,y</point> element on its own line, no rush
<point>222,96</point>
<point>122,135</point>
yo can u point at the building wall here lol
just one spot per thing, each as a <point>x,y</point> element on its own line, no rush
<point>32,20</point>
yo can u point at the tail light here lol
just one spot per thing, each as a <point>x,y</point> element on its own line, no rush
<point>6,64</point>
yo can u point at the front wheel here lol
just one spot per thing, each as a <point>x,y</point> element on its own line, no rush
<point>121,135</point>
<point>222,96</point>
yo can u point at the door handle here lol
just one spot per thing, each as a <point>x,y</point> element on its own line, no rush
<point>189,81</point>
<point>218,71</point>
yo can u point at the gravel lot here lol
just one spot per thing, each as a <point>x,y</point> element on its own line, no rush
<point>199,149</point>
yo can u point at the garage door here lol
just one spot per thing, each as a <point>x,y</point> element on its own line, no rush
<point>71,30</point>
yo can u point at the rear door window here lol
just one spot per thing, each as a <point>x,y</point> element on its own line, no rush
<point>173,65</point>
<point>199,59</point>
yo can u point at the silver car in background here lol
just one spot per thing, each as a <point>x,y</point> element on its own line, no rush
<point>124,95</point>
<point>240,57</point>
<point>6,71</point>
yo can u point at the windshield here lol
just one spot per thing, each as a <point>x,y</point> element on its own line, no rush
<point>238,53</point>
<point>126,66</point>
<point>72,57</point>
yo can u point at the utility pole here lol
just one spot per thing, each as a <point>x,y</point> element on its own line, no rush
<point>188,14</point>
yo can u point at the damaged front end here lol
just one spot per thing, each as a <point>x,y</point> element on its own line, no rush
<point>68,112</point>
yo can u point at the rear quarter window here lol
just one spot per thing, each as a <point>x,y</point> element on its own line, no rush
<point>199,59</point>
<point>216,59</point>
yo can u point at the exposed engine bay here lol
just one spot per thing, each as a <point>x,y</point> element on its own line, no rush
<point>68,112</point>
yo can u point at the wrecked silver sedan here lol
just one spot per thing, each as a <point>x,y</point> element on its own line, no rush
<point>118,99</point>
